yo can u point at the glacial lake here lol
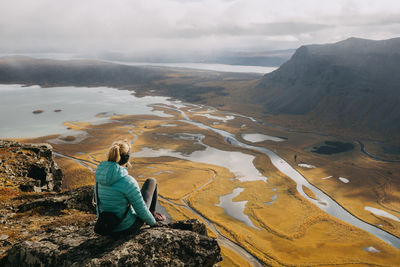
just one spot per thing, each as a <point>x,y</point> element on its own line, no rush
<point>76,104</point>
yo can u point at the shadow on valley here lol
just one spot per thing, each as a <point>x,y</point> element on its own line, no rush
<point>388,149</point>
<point>333,147</point>
<point>192,93</point>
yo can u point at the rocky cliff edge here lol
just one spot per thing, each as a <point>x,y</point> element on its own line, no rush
<point>183,243</point>
<point>56,228</point>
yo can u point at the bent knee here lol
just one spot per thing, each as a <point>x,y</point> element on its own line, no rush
<point>151,181</point>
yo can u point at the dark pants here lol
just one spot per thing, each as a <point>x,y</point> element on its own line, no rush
<point>149,194</point>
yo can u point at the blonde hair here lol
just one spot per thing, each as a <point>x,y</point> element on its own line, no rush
<point>117,149</point>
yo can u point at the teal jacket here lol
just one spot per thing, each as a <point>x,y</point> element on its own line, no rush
<point>117,189</point>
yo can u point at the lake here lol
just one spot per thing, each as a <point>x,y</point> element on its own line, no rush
<point>205,66</point>
<point>17,103</point>
<point>198,66</point>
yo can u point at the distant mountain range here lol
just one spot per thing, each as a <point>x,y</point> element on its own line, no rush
<point>262,58</point>
<point>20,69</point>
<point>142,79</point>
<point>272,58</point>
<point>352,84</point>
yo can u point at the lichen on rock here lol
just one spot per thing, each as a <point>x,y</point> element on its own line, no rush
<point>62,222</point>
<point>162,245</point>
<point>29,166</point>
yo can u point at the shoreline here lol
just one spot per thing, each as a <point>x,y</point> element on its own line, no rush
<point>146,126</point>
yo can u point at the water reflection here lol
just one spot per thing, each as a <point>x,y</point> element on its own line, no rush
<point>306,166</point>
<point>235,209</point>
<point>371,249</point>
<point>209,116</point>
<point>77,104</point>
<point>256,137</point>
<point>382,213</point>
<point>273,198</point>
<point>238,163</point>
<point>84,103</point>
<point>323,201</point>
<point>71,137</point>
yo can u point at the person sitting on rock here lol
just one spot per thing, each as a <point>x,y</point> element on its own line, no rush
<point>117,189</point>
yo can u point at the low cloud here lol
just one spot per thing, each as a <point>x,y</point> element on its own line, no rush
<point>158,26</point>
<point>255,29</point>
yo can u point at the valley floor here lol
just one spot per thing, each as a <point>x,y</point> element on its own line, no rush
<point>270,223</point>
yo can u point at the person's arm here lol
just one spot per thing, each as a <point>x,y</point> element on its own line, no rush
<point>135,198</point>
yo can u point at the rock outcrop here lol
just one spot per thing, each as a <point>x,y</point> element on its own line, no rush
<point>53,204</point>
<point>183,243</point>
<point>29,166</point>
<point>47,228</point>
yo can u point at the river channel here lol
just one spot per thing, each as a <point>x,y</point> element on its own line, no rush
<point>322,201</point>
<point>77,104</point>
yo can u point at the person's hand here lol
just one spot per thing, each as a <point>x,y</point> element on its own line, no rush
<point>159,217</point>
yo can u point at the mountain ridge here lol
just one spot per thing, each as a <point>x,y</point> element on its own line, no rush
<point>347,88</point>
<point>23,69</point>
<point>338,82</point>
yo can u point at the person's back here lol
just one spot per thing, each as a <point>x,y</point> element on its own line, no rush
<point>116,190</point>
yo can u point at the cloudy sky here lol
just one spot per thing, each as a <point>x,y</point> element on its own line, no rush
<point>149,26</point>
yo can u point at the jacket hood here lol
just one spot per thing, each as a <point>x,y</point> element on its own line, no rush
<point>109,172</point>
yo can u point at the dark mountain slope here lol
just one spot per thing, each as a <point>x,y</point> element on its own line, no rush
<point>354,83</point>
<point>186,84</point>
<point>76,72</point>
